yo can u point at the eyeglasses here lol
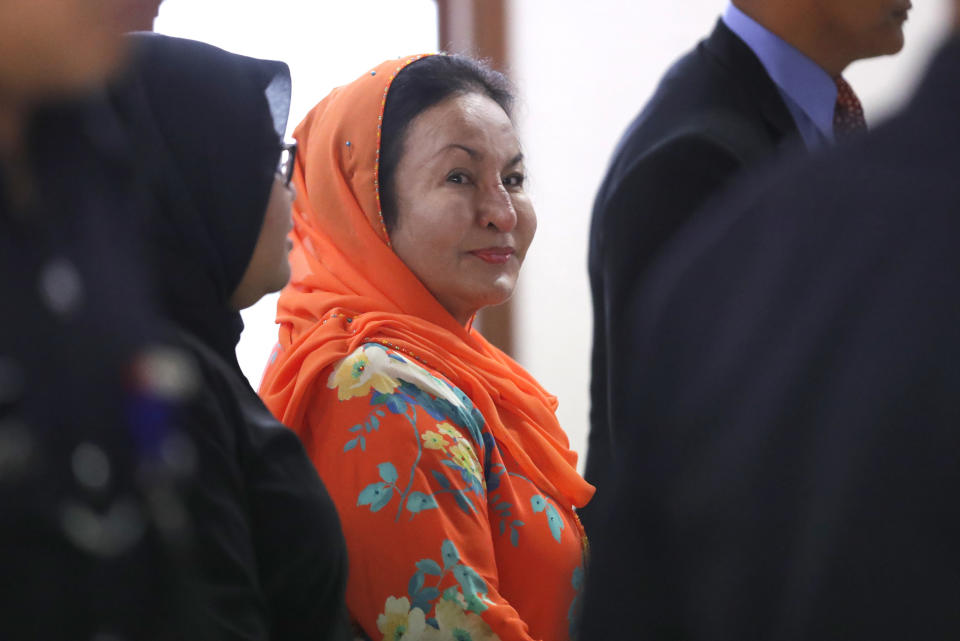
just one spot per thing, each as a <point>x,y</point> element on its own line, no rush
<point>288,156</point>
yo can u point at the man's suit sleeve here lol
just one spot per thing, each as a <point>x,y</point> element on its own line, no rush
<point>634,218</point>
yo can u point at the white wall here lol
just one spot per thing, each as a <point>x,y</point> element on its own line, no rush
<point>584,69</point>
<point>327,43</point>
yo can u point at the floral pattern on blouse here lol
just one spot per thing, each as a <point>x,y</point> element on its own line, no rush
<point>456,613</point>
<point>447,539</point>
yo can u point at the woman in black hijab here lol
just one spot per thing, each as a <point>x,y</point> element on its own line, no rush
<point>209,126</point>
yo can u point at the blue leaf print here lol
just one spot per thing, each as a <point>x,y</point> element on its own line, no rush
<point>573,612</point>
<point>423,399</point>
<point>450,594</point>
<point>477,417</point>
<point>352,443</point>
<point>451,464</point>
<point>577,579</point>
<point>396,404</point>
<point>441,479</point>
<point>463,501</point>
<point>415,584</point>
<point>388,472</point>
<point>376,495</point>
<point>418,501</point>
<point>450,554</point>
<point>429,566</point>
<point>488,448</point>
<point>356,428</point>
<point>429,594</point>
<point>473,483</point>
<point>555,522</point>
<point>450,412</point>
<point>423,598</point>
<point>474,604</point>
<point>473,587</point>
<point>493,480</point>
<point>537,503</point>
<point>514,537</point>
<point>469,580</point>
<point>462,418</point>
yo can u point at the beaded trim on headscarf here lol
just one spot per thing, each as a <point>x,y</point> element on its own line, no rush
<point>376,168</point>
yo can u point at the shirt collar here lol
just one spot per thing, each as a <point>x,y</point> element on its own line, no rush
<point>797,76</point>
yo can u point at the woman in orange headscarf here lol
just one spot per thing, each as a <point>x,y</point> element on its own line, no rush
<point>455,484</point>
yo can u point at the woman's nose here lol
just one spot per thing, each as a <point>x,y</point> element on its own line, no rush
<point>496,208</point>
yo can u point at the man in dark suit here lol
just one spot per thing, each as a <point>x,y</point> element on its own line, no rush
<point>767,78</point>
<point>789,466</point>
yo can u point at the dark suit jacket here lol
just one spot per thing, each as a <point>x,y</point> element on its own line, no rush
<point>715,112</point>
<point>790,465</point>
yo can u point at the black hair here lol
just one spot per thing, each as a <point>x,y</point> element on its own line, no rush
<point>421,85</point>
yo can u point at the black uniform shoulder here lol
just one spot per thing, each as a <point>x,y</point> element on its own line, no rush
<point>719,93</point>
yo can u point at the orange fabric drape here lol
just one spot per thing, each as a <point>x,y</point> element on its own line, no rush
<point>343,267</point>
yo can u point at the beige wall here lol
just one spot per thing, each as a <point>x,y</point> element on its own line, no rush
<point>584,69</point>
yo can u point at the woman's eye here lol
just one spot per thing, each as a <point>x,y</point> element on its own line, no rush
<point>457,178</point>
<point>514,180</point>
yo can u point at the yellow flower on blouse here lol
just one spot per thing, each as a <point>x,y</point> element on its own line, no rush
<point>449,430</point>
<point>464,456</point>
<point>456,624</point>
<point>399,623</point>
<point>434,441</point>
<point>364,369</point>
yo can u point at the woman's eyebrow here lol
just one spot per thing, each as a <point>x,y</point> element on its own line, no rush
<point>473,153</point>
<point>477,155</point>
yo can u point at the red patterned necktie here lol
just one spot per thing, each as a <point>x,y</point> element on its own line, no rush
<point>848,117</point>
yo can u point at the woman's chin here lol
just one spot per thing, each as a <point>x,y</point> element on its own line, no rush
<point>495,294</point>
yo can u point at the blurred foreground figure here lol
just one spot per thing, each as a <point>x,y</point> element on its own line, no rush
<point>91,521</point>
<point>790,463</point>
<point>767,79</point>
<point>208,127</point>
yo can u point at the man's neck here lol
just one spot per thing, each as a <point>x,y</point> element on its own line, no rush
<point>799,27</point>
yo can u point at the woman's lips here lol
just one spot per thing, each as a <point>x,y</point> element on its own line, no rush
<point>494,255</point>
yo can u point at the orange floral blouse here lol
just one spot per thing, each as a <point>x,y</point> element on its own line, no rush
<point>446,539</point>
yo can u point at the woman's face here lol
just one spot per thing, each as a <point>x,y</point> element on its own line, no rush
<point>464,222</point>
<point>269,267</point>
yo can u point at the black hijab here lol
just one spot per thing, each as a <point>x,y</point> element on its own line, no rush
<point>207,124</point>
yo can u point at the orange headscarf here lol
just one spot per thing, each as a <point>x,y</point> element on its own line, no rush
<point>348,287</point>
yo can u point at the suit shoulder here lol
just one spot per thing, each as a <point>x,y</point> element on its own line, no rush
<point>702,94</point>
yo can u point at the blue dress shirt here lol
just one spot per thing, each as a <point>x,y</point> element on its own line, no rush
<point>809,91</point>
